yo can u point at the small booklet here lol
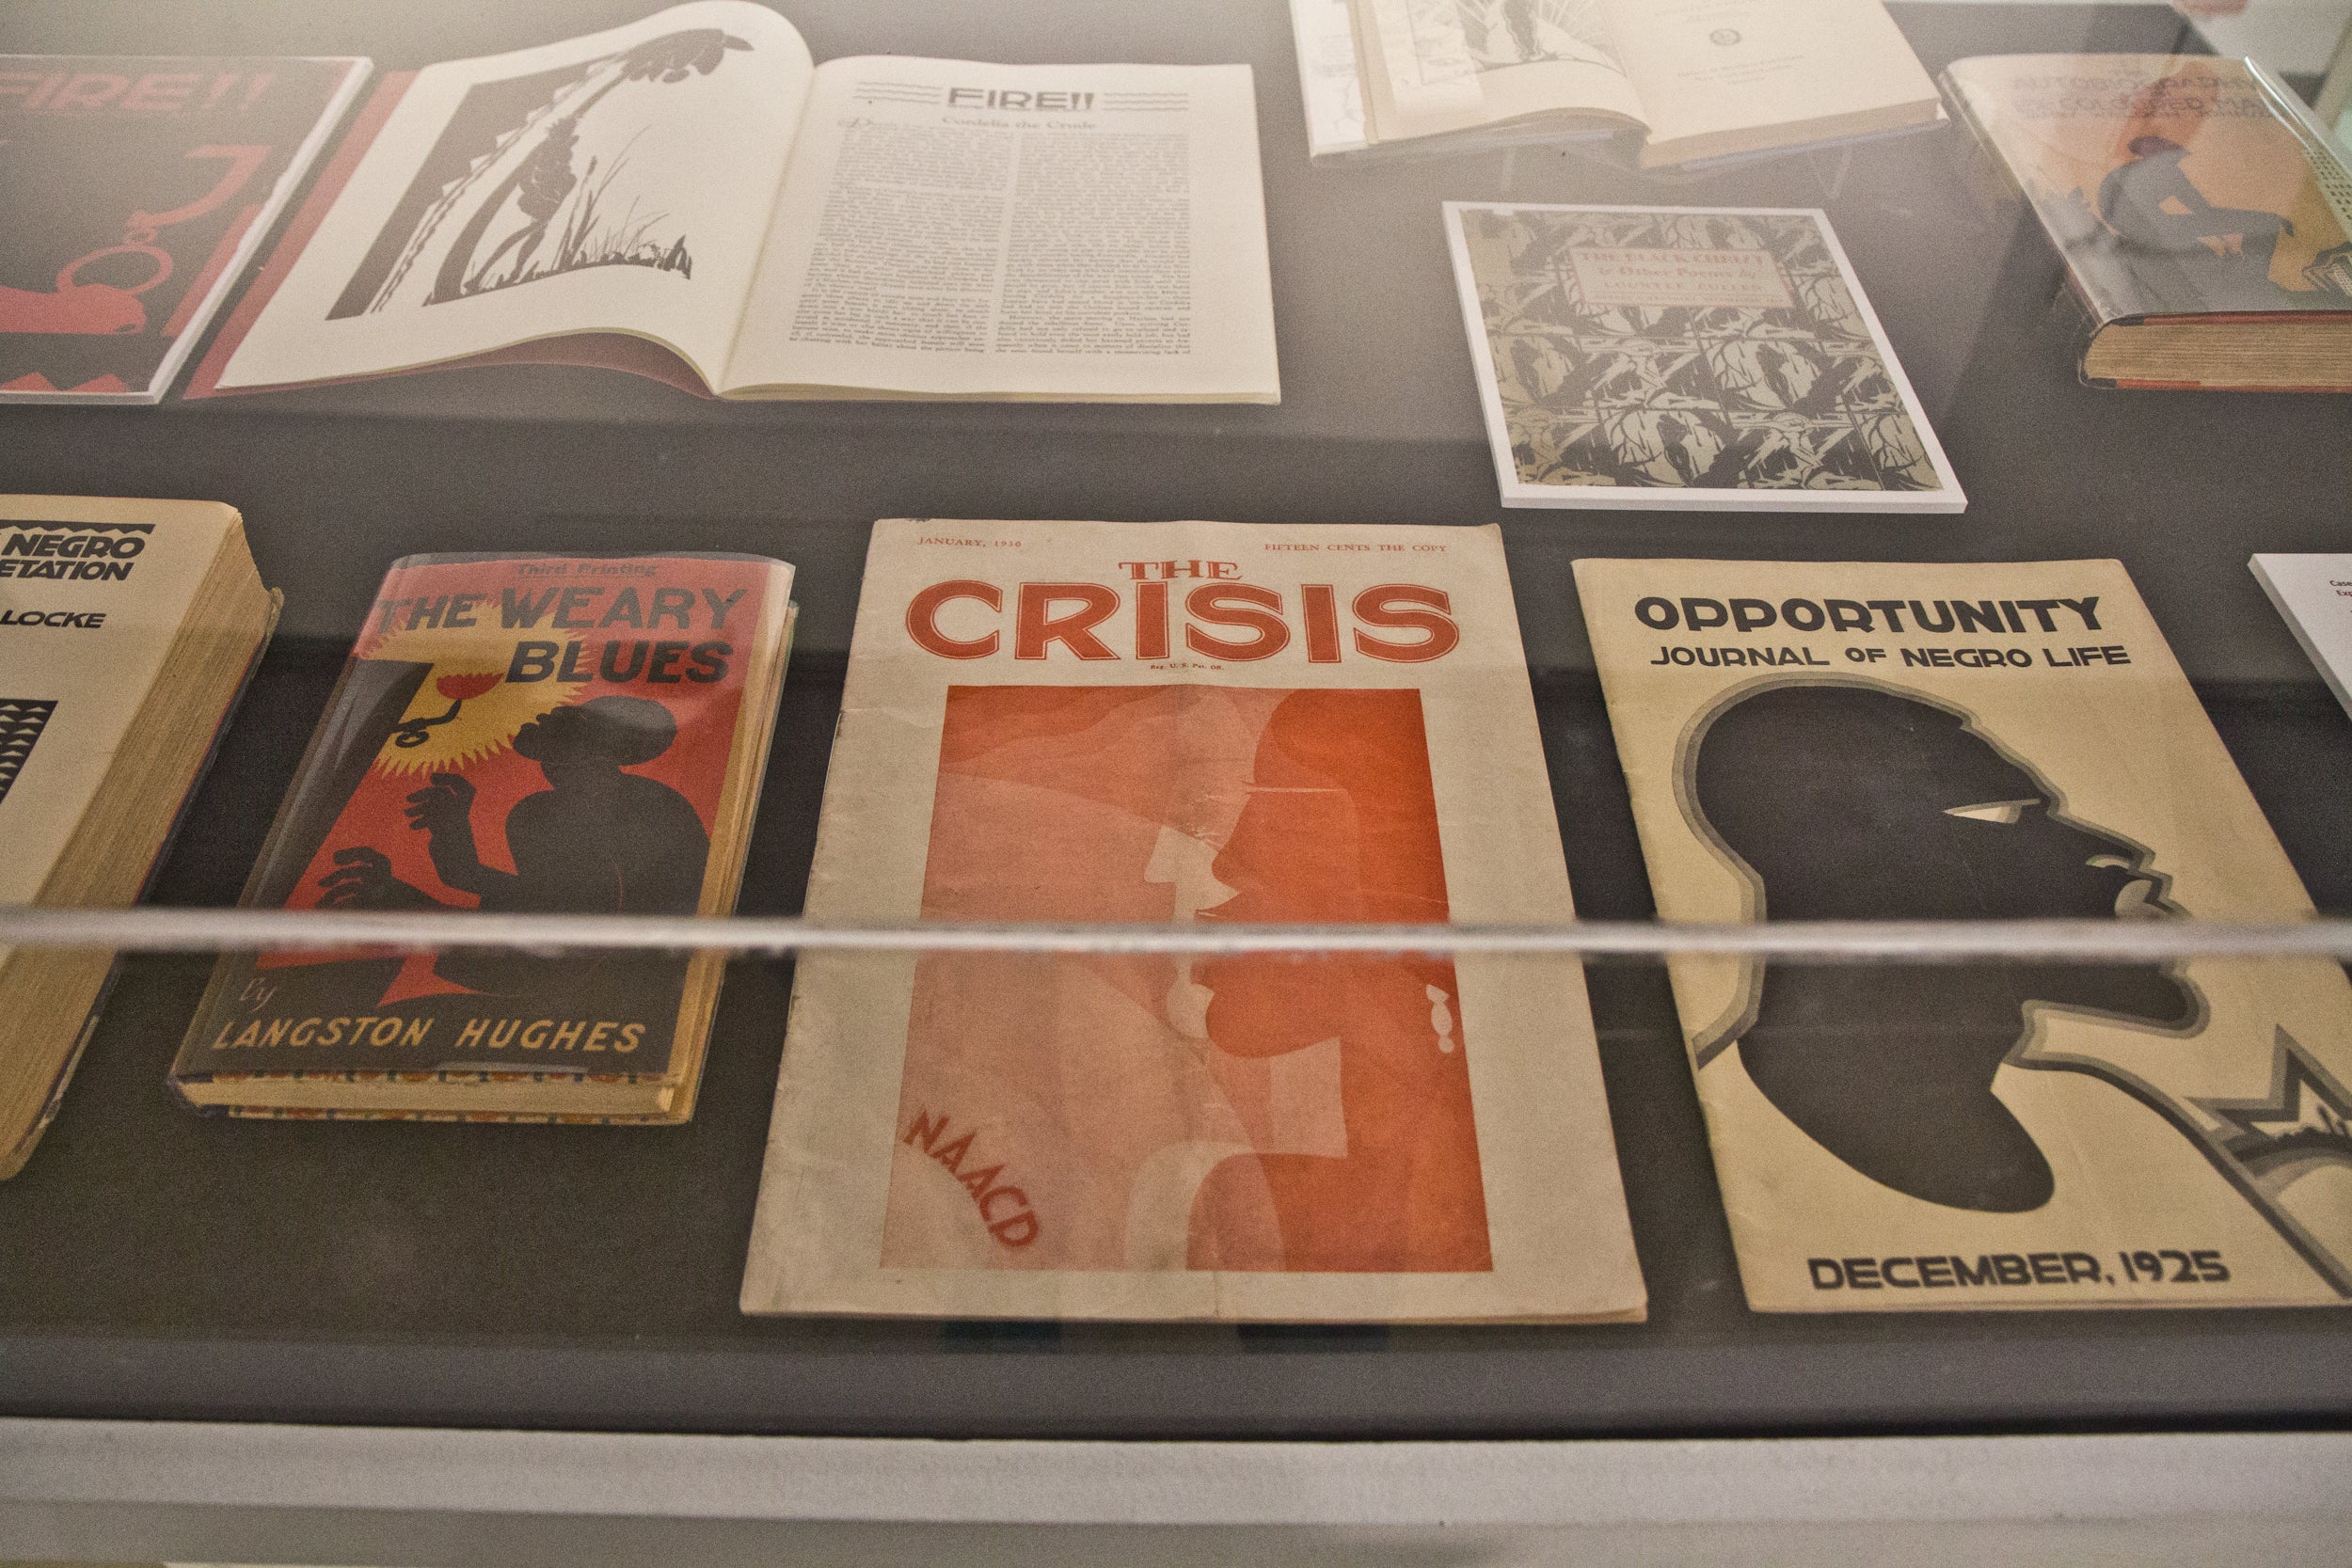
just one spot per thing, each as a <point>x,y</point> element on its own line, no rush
<point>2005,742</point>
<point>137,188</point>
<point>1211,723</point>
<point>1686,360</point>
<point>127,631</point>
<point>690,198</point>
<point>2204,215</point>
<point>526,735</point>
<point>2315,594</point>
<point>1696,80</point>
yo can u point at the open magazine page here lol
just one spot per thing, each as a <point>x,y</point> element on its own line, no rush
<point>1716,75</point>
<point>619,182</point>
<point>1076,231</point>
<point>1210,722</point>
<point>1430,66</point>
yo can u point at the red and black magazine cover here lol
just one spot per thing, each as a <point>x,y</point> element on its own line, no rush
<point>135,189</point>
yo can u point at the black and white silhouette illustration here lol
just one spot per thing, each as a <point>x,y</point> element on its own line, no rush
<point>542,175</point>
<point>1843,799</point>
<point>1703,395</point>
<point>21,720</point>
<point>1847,800</point>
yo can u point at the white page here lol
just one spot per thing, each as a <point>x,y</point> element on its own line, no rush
<point>1325,36</point>
<point>1433,66</point>
<point>2315,594</point>
<point>617,182</point>
<point>1067,231</point>
<point>1709,70</point>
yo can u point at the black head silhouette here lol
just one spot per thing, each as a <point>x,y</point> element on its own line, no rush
<point>612,732</point>
<point>1855,801</point>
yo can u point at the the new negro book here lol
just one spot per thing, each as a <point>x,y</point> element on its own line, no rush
<point>127,630</point>
<point>1980,743</point>
<point>1204,725</point>
<point>522,735</point>
<point>1688,358</point>
<point>136,188</point>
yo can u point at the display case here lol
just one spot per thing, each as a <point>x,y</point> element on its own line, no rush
<point>156,1266</point>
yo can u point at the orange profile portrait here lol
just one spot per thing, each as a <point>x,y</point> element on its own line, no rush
<point>1254,1112</point>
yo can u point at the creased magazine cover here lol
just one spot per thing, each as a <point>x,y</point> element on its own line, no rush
<point>1688,359</point>
<point>1974,742</point>
<point>1189,721</point>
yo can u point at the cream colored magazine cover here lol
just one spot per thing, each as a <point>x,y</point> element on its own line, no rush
<point>1810,741</point>
<point>1180,722</point>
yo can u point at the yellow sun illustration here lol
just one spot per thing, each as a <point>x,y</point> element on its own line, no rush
<point>466,709</point>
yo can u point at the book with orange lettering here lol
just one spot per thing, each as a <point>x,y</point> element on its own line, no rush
<point>1189,723</point>
<point>523,734</point>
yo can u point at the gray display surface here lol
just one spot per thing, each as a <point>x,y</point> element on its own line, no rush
<point>154,1263</point>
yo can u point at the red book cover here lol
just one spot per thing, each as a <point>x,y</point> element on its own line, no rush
<point>136,188</point>
<point>520,735</point>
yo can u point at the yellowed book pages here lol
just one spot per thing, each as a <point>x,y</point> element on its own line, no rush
<point>116,668</point>
<point>1812,741</point>
<point>1189,721</point>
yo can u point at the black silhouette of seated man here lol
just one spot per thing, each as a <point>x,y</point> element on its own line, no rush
<point>597,840</point>
<point>2195,254</point>
<point>1849,802</point>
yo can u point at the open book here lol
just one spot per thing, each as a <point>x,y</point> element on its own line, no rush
<point>1697,79</point>
<point>691,197</point>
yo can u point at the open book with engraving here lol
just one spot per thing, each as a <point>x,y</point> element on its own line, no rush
<point>1692,80</point>
<point>691,198</point>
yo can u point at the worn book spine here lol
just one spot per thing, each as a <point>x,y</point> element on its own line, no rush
<point>524,735</point>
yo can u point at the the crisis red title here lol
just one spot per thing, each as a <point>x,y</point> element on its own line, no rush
<point>1221,617</point>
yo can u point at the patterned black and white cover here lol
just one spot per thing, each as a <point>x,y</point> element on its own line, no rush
<point>1689,359</point>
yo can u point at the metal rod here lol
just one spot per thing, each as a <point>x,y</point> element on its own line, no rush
<point>187,930</point>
